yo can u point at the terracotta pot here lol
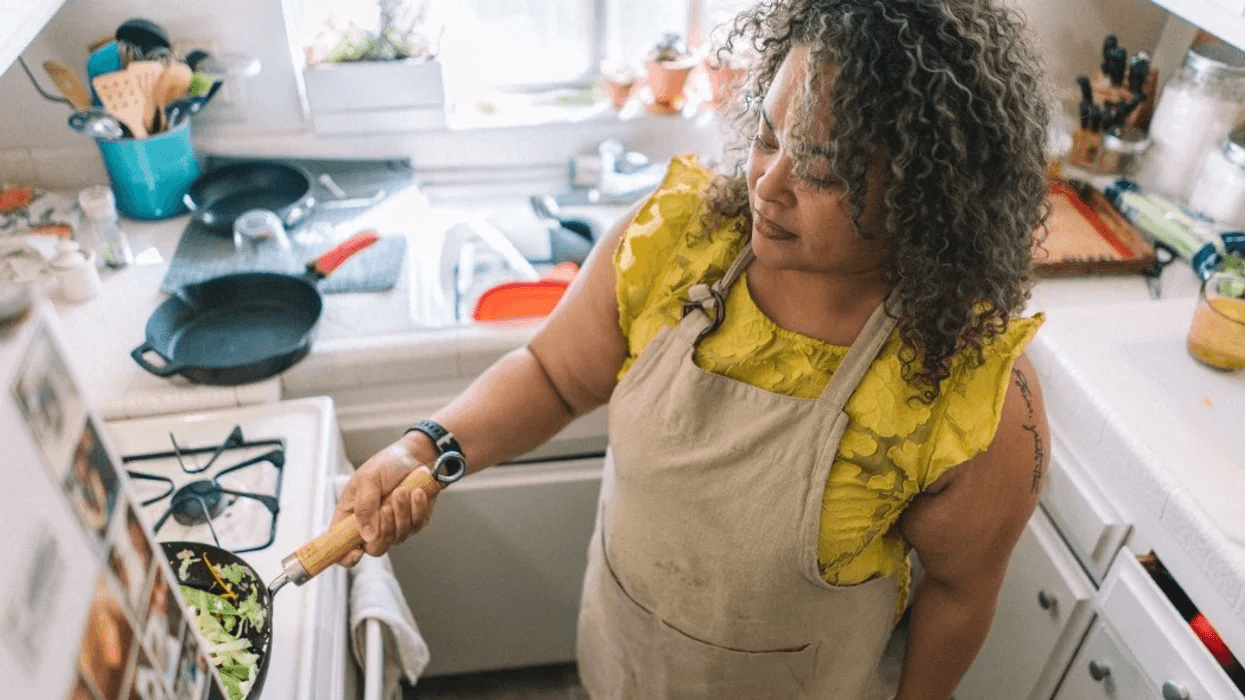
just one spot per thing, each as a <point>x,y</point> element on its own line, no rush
<point>617,92</point>
<point>667,78</point>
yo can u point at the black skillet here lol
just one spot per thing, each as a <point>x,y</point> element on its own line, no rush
<point>299,567</point>
<point>244,327</point>
<point>218,197</point>
<point>201,570</point>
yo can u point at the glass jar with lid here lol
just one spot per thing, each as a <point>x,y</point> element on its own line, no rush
<point>1219,191</point>
<point>1197,108</point>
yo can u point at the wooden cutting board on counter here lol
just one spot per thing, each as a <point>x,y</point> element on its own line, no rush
<point>1085,235</point>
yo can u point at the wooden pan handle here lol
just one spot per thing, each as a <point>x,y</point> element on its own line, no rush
<point>331,545</point>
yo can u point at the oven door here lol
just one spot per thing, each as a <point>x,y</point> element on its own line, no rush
<point>494,582</point>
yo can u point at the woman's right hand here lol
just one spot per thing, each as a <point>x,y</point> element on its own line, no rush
<point>386,524</point>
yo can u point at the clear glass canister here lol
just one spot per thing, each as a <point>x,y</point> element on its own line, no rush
<point>1197,108</point>
<point>1219,191</point>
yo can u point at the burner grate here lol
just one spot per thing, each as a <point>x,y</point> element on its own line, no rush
<point>201,503</point>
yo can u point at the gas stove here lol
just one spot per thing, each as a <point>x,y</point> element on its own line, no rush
<point>260,481</point>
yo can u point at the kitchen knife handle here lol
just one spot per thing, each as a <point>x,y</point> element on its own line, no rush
<point>331,545</point>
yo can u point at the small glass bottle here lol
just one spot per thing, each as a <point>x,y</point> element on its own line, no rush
<point>100,228</point>
<point>1196,109</point>
<point>1219,191</point>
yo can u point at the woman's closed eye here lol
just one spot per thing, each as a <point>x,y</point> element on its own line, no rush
<point>763,141</point>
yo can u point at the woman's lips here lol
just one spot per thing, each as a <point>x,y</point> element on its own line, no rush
<point>771,230</point>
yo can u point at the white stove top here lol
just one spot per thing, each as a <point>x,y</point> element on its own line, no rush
<point>288,456</point>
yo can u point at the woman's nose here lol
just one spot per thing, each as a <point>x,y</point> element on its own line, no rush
<point>775,180</point>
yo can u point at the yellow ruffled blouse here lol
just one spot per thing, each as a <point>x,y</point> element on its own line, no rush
<point>892,449</point>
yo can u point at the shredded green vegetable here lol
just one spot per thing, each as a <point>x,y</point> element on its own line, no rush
<point>223,626</point>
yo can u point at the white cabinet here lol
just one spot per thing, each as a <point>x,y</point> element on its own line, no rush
<point>1223,18</point>
<point>1082,513</point>
<point>1104,670</point>
<point>21,21</point>
<point>494,582</point>
<point>1043,611</point>
<point>1140,648</point>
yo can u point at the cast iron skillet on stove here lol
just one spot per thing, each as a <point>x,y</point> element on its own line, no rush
<point>243,327</point>
<point>203,573</point>
<point>220,196</point>
<point>299,567</point>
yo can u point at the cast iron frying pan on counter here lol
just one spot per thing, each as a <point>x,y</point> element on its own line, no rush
<point>242,327</point>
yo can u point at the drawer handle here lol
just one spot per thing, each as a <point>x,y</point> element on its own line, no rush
<point>1046,601</point>
<point>1098,671</point>
<point>1172,691</point>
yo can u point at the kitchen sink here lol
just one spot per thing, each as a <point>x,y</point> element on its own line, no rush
<point>496,225</point>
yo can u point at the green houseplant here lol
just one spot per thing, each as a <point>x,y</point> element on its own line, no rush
<point>382,80</point>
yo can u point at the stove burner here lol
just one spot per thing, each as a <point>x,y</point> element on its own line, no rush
<point>197,502</point>
<point>203,500</point>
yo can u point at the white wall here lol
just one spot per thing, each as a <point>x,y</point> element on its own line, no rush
<point>266,116</point>
<point>1069,33</point>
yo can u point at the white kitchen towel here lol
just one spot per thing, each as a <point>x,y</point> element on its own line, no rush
<point>376,595</point>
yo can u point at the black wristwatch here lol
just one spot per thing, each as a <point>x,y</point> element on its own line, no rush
<point>451,465</point>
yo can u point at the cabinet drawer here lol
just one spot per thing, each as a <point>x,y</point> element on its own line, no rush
<point>1042,613</point>
<point>1093,528</point>
<point>1165,648</point>
<point>1104,670</point>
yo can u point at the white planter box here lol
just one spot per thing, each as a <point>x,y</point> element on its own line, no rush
<point>379,96</point>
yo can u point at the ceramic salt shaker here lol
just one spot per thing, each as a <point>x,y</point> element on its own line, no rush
<point>76,272</point>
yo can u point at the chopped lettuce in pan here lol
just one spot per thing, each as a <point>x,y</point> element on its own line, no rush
<point>223,625</point>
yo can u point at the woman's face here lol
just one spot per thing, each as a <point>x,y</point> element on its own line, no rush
<point>797,223</point>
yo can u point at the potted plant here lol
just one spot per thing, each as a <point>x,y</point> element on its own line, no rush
<point>387,79</point>
<point>668,65</point>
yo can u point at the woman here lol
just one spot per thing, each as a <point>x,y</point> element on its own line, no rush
<point>813,365</point>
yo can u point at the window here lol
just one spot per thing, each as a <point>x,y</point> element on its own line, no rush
<point>533,43</point>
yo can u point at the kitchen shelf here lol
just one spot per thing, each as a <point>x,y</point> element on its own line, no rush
<point>1223,18</point>
<point>21,21</point>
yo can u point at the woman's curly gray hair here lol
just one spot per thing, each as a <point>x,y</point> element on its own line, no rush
<point>948,96</point>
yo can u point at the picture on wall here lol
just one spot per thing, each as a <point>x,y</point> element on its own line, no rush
<point>33,594</point>
<point>130,560</point>
<point>49,400</point>
<point>148,682</point>
<point>92,483</point>
<point>108,643</point>
<point>162,633</point>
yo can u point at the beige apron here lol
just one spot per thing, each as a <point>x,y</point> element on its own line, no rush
<point>702,577</point>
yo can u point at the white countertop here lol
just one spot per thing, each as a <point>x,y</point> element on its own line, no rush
<point>1160,432</point>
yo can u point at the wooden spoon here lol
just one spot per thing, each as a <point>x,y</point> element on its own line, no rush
<point>70,85</point>
<point>146,75</point>
<point>172,84</point>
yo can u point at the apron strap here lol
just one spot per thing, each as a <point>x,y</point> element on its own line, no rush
<point>712,299</point>
<point>859,357</point>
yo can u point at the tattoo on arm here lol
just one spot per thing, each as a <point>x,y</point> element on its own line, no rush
<point>1037,456</point>
<point>1022,383</point>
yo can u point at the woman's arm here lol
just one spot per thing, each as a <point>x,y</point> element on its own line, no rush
<point>568,368</point>
<point>964,528</point>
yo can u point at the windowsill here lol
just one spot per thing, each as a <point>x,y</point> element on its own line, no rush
<point>499,109</point>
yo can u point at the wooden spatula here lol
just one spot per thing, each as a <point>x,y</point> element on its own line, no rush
<point>172,84</point>
<point>146,74</point>
<point>121,95</point>
<point>70,85</point>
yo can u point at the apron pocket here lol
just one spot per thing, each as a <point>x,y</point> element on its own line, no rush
<point>691,668</point>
